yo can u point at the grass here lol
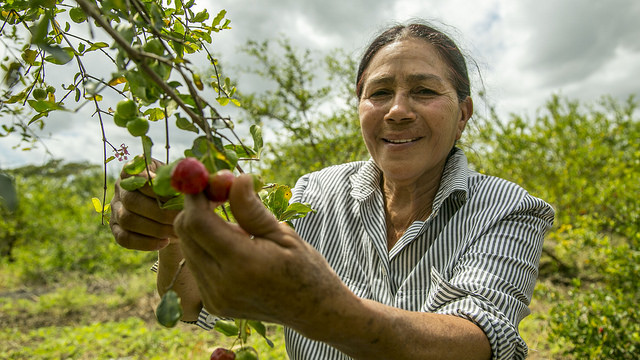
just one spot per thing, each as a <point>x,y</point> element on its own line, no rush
<point>94,318</point>
<point>111,317</point>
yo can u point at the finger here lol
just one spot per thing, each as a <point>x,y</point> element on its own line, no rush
<point>197,257</point>
<point>249,211</point>
<point>200,224</point>
<point>139,203</point>
<point>130,221</point>
<point>135,241</point>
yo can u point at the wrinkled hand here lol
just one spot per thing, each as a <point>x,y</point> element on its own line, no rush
<point>258,268</point>
<point>137,222</point>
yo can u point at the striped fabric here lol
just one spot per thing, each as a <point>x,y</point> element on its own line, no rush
<point>476,256</point>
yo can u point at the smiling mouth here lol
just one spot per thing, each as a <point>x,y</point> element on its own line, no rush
<point>400,141</point>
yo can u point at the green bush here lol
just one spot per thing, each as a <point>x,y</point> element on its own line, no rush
<point>585,161</point>
<point>55,229</point>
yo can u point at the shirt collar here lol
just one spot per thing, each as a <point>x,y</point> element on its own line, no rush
<point>454,180</point>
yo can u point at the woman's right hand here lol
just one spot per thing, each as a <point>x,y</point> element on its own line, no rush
<point>137,221</point>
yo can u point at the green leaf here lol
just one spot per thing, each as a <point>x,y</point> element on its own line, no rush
<point>169,310</point>
<point>259,327</point>
<point>243,329</point>
<point>40,30</point>
<point>154,114</point>
<point>147,144</point>
<point>59,56</point>
<point>133,183</point>
<point>29,56</point>
<point>135,166</point>
<point>201,16</point>
<point>186,124</point>
<point>96,46</point>
<point>277,200</point>
<point>42,106</point>
<point>242,151</point>
<point>175,203</point>
<point>295,211</point>
<point>228,328</point>
<point>162,181</point>
<point>256,134</point>
<point>216,21</point>
<point>97,205</point>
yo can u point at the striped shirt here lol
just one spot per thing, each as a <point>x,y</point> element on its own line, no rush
<point>476,256</point>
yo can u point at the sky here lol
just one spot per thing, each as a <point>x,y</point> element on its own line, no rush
<point>525,51</point>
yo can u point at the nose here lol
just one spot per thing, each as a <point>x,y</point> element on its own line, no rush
<point>400,108</point>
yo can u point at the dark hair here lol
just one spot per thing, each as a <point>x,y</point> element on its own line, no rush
<point>447,49</point>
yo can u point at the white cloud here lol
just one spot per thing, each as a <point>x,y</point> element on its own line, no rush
<point>526,50</point>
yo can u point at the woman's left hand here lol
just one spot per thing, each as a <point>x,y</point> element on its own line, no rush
<point>258,268</point>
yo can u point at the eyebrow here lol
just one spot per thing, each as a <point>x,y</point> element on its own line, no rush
<point>386,79</point>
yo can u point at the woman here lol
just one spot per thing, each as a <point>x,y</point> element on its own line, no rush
<point>410,255</point>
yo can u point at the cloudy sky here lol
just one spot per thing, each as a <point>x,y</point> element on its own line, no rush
<point>526,50</point>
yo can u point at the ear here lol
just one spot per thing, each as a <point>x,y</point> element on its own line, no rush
<point>466,110</point>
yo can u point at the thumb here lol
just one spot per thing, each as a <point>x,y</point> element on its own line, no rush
<point>249,211</point>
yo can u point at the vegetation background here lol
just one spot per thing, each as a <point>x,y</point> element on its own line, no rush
<point>67,291</point>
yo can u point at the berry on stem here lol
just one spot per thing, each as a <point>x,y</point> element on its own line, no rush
<point>39,93</point>
<point>138,126</point>
<point>189,176</point>
<point>127,108</point>
<point>218,186</point>
<point>222,354</point>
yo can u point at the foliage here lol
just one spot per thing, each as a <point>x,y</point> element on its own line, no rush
<point>54,229</point>
<point>316,118</point>
<point>150,54</point>
<point>129,338</point>
<point>584,160</point>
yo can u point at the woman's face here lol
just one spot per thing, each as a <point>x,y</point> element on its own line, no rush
<point>409,112</point>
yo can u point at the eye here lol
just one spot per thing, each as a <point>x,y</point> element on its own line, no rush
<point>380,93</point>
<point>424,91</point>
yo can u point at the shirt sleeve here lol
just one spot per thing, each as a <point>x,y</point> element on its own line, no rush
<point>493,281</point>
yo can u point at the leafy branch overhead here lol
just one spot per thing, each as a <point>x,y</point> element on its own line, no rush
<point>148,49</point>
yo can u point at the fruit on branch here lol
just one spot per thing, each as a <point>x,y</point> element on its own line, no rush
<point>218,186</point>
<point>119,120</point>
<point>77,15</point>
<point>189,176</point>
<point>127,108</point>
<point>222,354</point>
<point>169,310</point>
<point>39,93</point>
<point>247,353</point>
<point>138,126</point>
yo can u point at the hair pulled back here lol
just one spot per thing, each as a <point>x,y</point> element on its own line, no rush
<point>446,48</point>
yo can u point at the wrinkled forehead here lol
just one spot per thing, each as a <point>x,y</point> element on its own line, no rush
<point>415,58</point>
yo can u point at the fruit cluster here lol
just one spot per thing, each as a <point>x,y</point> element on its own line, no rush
<point>42,93</point>
<point>127,116</point>
<point>190,176</point>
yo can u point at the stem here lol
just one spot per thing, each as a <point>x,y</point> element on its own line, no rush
<point>104,163</point>
<point>175,276</point>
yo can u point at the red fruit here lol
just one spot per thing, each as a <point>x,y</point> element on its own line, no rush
<point>219,185</point>
<point>189,176</point>
<point>222,354</point>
